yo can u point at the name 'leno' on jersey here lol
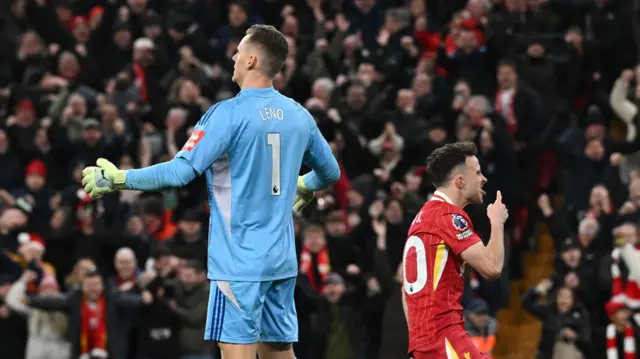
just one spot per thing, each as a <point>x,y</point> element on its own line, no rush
<point>270,113</point>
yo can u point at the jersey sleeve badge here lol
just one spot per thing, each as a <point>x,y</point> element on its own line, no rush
<point>461,225</point>
<point>195,137</point>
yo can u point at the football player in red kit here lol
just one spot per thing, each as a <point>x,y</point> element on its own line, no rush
<point>441,239</point>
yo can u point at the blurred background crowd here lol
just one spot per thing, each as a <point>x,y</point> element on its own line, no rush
<point>547,89</point>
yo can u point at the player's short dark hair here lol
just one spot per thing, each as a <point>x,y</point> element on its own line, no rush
<point>273,44</point>
<point>446,158</point>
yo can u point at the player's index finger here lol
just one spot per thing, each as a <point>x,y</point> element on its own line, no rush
<point>499,196</point>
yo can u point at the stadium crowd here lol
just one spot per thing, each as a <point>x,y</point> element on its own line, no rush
<point>536,84</point>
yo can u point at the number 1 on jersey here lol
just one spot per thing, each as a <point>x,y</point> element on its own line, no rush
<point>273,140</point>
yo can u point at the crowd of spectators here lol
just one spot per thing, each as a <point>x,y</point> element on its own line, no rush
<point>536,84</point>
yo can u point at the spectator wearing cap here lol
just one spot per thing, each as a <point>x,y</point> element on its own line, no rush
<point>338,328</point>
<point>480,326</point>
<point>13,326</point>
<point>572,272</point>
<point>94,331</point>
<point>36,186</point>
<point>190,241</point>
<point>92,145</point>
<point>47,330</point>
<point>623,333</point>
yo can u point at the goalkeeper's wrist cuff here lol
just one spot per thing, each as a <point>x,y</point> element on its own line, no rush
<point>119,180</point>
<point>302,185</point>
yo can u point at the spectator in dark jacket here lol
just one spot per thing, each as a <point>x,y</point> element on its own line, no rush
<point>92,315</point>
<point>563,320</point>
<point>190,306</point>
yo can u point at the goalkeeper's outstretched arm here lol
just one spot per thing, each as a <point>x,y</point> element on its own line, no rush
<point>208,141</point>
<point>175,173</point>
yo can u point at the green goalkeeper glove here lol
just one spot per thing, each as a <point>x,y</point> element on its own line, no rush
<point>104,178</point>
<point>304,196</point>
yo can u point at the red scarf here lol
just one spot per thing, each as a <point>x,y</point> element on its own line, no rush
<point>508,113</point>
<point>612,343</point>
<point>341,187</point>
<point>83,207</point>
<point>427,41</point>
<point>306,267</point>
<point>167,228</point>
<point>629,293</point>
<point>141,77</point>
<point>93,329</point>
<point>474,282</point>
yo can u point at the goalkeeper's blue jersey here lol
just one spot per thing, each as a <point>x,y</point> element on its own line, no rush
<point>251,148</point>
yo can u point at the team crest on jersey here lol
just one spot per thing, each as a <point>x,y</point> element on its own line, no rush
<point>196,136</point>
<point>459,222</point>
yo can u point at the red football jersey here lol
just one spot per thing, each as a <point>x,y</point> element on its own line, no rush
<point>433,268</point>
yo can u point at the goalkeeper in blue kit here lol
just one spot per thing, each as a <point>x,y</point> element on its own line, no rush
<point>250,148</point>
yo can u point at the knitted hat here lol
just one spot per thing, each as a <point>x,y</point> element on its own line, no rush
<point>83,196</point>
<point>613,306</point>
<point>31,239</point>
<point>37,168</point>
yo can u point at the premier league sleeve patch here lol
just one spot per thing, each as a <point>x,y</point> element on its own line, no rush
<point>462,226</point>
<point>459,222</point>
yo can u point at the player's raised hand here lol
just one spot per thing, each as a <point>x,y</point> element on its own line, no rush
<point>497,211</point>
<point>304,196</point>
<point>103,178</point>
